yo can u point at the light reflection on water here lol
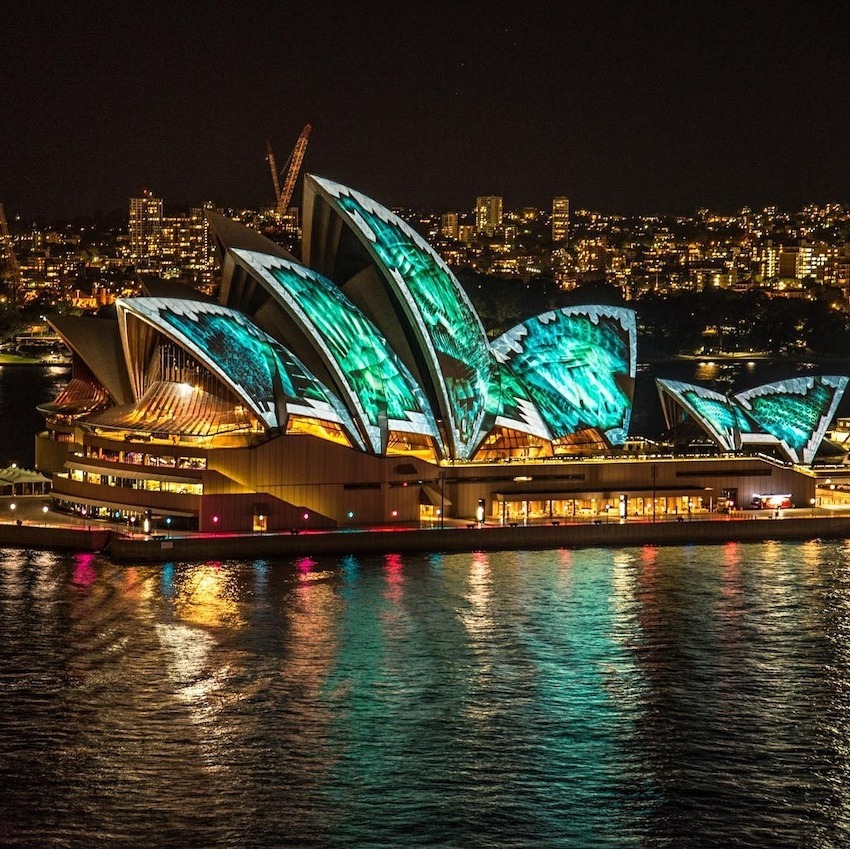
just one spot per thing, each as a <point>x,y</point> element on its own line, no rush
<point>635,697</point>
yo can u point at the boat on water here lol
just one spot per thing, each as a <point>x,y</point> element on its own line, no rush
<point>35,348</point>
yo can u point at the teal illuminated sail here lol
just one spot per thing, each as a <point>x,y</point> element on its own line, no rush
<point>377,386</point>
<point>257,368</point>
<point>792,415</point>
<point>437,316</point>
<point>797,411</point>
<point>577,365</point>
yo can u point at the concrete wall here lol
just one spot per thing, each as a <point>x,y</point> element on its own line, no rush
<point>286,546</point>
<point>40,537</point>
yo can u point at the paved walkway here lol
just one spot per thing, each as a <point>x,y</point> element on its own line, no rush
<point>30,509</point>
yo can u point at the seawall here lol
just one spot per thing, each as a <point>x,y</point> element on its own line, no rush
<point>221,547</point>
<point>53,537</point>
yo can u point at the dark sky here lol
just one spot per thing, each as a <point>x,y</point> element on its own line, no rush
<point>624,107</point>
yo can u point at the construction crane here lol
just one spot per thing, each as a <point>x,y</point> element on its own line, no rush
<point>13,269</point>
<point>273,166</point>
<point>283,194</point>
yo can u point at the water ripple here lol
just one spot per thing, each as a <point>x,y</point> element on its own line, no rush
<point>692,697</point>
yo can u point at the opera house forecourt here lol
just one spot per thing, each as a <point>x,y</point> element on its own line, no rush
<point>358,387</point>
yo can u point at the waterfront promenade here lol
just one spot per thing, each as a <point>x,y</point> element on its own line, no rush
<point>28,525</point>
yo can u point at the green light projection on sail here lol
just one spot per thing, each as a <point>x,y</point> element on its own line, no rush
<point>578,365</point>
<point>438,310</point>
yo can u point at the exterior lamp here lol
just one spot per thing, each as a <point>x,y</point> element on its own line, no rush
<point>813,501</point>
<point>394,514</point>
<point>13,506</point>
<point>350,514</point>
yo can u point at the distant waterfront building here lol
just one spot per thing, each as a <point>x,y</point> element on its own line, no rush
<point>449,225</point>
<point>186,245</point>
<point>560,221</point>
<point>488,214</point>
<point>145,228</point>
<point>768,259</point>
<point>169,245</point>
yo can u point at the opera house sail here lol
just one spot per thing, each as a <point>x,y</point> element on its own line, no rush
<point>424,305</point>
<point>359,386</point>
<point>789,415</point>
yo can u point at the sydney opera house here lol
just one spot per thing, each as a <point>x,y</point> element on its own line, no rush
<point>358,386</point>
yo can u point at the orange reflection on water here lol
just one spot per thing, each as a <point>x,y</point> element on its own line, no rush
<point>314,614</point>
<point>730,585</point>
<point>134,586</point>
<point>207,595</point>
<point>479,595</point>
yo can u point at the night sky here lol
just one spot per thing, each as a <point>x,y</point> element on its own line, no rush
<point>624,107</point>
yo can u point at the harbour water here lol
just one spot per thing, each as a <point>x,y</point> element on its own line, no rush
<point>676,697</point>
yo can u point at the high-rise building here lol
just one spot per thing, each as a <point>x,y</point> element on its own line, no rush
<point>560,221</point>
<point>145,229</point>
<point>186,246</point>
<point>488,214</point>
<point>449,225</point>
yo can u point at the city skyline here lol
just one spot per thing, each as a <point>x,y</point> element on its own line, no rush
<point>616,108</point>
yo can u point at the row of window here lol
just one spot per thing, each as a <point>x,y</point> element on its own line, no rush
<point>568,508</point>
<point>137,458</point>
<point>146,484</point>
